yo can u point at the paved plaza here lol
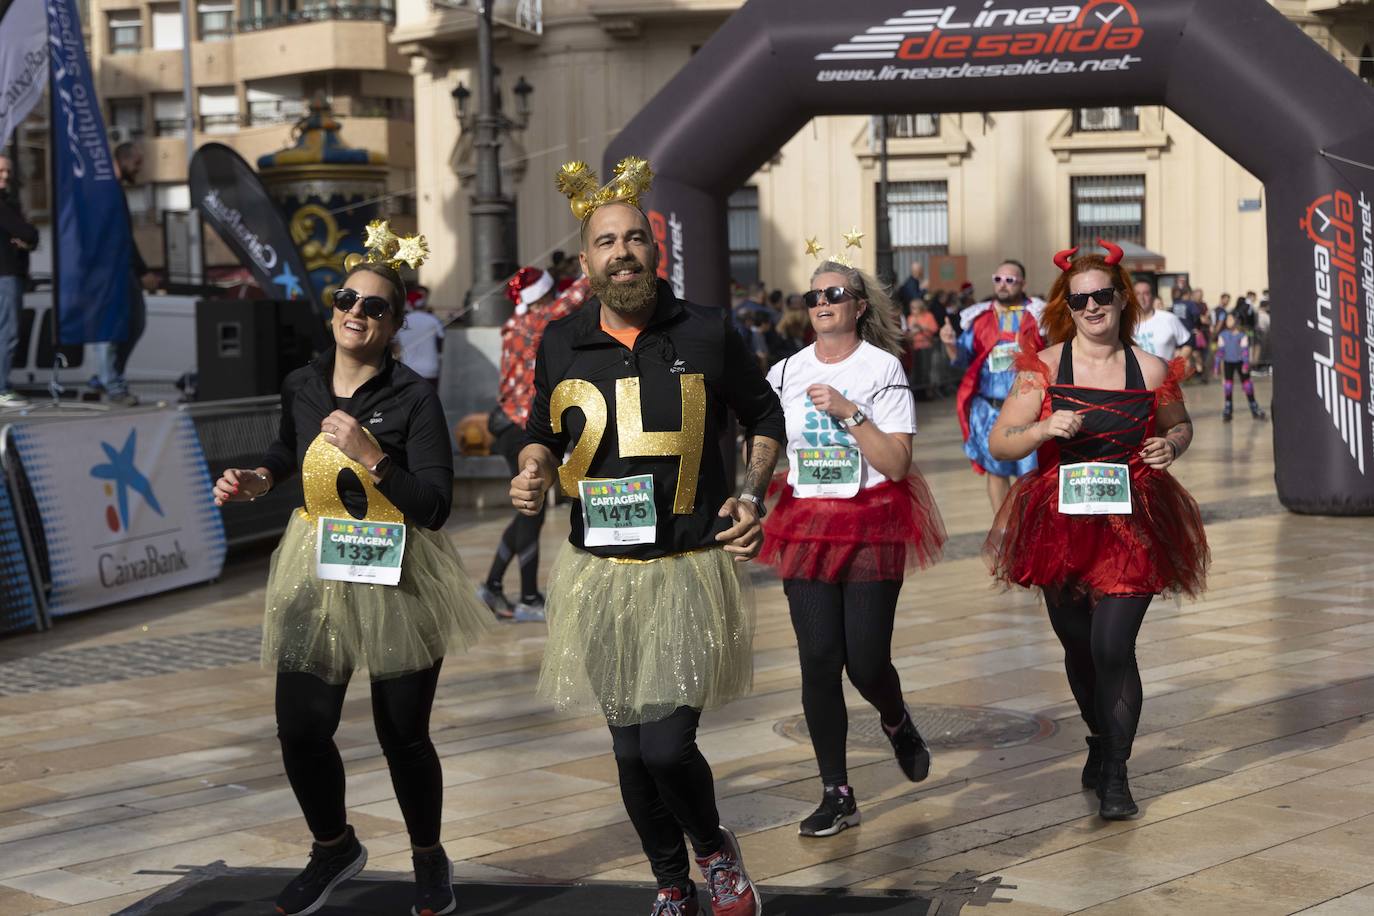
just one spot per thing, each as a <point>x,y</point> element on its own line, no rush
<point>140,739</point>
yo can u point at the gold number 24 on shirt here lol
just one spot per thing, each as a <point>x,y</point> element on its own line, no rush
<point>684,444</point>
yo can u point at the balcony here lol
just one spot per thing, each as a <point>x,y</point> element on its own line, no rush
<point>319,14</point>
<point>339,39</point>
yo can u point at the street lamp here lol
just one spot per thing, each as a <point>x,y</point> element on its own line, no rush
<point>522,92</point>
<point>460,104</point>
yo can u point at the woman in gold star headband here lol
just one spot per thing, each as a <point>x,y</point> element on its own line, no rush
<point>854,516</point>
<point>362,578</point>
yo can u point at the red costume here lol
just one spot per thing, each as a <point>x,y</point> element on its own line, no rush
<point>1159,547</point>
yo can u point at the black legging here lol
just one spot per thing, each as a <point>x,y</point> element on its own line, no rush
<point>520,540</point>
<point>1099,657</point>
<point>667,787</point>
<point>844,626</point>
<point>308,711</point>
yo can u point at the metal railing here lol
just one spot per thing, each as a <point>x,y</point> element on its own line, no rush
<point>319,14</point>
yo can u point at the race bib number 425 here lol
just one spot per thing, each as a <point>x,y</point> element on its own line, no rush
<point>832,471</point>
<point>617,513</point>
<point>348,550</point>
<point>1094,488</point>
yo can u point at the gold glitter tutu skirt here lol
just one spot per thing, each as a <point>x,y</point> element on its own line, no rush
<point>636,640</point>
<point>333,629</point>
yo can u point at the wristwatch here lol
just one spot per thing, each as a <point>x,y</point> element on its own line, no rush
<point>757,502</point>
<point>857,420</point>
<point>381,468</point>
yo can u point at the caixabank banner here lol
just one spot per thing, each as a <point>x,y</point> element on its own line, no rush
<point>1237,70</point>
<point>126,506</point>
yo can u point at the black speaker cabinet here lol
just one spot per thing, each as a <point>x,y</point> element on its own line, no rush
<point>245,347</point>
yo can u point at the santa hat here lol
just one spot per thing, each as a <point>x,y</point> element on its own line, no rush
<point>530,284</point>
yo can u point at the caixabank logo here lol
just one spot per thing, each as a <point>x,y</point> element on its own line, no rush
<point>992,40</point>
<point>1341,231</point>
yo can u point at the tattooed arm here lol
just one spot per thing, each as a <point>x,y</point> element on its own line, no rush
<point>744,538</point>
<point>1162,451</point>
<point>1019,429</point>
<point>763,458</point>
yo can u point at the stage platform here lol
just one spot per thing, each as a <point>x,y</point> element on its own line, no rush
<point>139,742</point>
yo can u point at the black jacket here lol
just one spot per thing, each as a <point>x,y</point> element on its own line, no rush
<point>400,409</point>
<point>14,261</point>
<point>681,339</point>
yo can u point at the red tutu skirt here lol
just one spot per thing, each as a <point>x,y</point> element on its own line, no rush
<point>880,534</point>
<point>1160,547</point>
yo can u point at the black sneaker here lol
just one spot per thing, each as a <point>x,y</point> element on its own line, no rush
<point>913,756</point>
<point>1257,412</point>
<point>838,810</point>
<point>329,867</point>
<point>433,884</point>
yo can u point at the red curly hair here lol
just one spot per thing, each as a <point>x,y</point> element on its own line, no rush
<point>1058,320</point>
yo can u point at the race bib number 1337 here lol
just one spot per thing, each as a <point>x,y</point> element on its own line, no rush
<point>348,550</point>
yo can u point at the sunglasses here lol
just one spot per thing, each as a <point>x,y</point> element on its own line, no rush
<point>373,306</point>
<point>832,294</point>
<point>1079,301</point>
<point>1009,281</point>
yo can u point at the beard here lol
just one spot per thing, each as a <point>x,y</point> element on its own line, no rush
<point>1005,296</point>
<point>637,295</point>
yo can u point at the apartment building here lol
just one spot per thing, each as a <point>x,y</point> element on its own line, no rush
<point>255,64</point>
<point>982,185</point>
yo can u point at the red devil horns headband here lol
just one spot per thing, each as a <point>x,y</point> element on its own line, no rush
<point>1114,255</point>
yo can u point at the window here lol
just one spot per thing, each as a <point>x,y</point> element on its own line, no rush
<point>126,31</point>
<point>276,101</point>
<point>743,230</point>
<point>219,110</point>
<point>167,28</point>
<point>906,127</point>
<point>140,201</point>
<point>918,222</point>
<point>1089,120</point>
<point>170,197</point>
<point>126,119</point>
<point>169,114</point>
<point>1110,207</point>
<point>215,20</point>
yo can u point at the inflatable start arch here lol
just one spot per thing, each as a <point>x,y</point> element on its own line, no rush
<point>1225,66</point>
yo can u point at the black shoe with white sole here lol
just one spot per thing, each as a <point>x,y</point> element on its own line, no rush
<point>329,867</point>
<point>433,884</point>
<point>838,810</point>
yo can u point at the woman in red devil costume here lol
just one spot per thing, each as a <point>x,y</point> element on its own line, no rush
<point>1101,527</point>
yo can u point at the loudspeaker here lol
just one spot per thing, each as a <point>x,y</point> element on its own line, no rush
<point>245,347</point>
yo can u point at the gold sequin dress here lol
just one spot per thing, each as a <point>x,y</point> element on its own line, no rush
<point>333,629</point>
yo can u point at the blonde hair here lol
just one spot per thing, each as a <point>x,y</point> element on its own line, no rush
<point>878,324</point>
<point>793,323</point>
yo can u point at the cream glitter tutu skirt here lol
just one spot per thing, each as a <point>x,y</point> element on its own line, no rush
<point>634,640</point>
<point>334,629</point>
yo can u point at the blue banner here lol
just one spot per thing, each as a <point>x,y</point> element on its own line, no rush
<point>92,246</point>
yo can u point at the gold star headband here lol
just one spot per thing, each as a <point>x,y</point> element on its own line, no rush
<point>852,239</point>
<point>386,247</point>
<point>579,184</point>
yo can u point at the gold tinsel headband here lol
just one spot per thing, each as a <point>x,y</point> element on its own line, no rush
<point>579,184</point>
<point>852,239</point>
<point>385,247</point>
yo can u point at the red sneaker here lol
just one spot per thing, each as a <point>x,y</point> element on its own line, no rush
<point>672,901</point>
<point>732,893</point>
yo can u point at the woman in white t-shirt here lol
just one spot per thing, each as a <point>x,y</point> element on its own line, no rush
<point>852,518</point>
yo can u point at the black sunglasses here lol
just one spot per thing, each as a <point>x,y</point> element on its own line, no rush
<point>1079,301</point>
<point>373,306</point>
<point>833,294</point>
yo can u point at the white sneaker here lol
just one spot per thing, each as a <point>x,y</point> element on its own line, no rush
<point>530,611</point>
<point>13,399</point>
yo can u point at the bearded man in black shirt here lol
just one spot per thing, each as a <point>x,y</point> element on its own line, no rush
<point>650,620</point>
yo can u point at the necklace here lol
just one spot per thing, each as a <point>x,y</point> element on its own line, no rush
<point>838,359</point>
